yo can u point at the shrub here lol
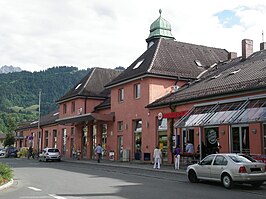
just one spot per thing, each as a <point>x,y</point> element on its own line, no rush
<point>6,173</point>
<point>23,152</point>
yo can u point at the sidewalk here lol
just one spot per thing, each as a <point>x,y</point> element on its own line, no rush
<point>169,168</point>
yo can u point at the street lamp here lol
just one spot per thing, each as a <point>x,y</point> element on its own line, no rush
<point>39,120</point>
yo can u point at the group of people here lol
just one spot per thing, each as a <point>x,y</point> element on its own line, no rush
<point>157,154</point>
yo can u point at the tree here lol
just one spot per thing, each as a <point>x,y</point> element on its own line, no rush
<point>10,139</point>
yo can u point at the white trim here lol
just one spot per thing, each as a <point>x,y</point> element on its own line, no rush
<point>232,100</point>
<point>4,186</point>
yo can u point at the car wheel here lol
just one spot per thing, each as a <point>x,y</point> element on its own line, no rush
<point>256,184</point>
<point>227,181</point>
<point>192,176</point>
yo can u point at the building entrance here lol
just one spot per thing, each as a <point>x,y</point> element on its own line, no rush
<point>240,139</point>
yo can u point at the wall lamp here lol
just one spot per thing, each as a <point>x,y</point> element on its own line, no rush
<point>254,131</point>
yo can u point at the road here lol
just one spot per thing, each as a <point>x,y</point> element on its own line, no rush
<point>65,180</point>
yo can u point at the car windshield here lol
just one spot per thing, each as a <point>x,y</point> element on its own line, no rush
<point>241,158</point>
<point>53,150</point>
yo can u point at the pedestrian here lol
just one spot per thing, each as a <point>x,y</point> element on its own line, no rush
<point>190,151</point>
<point>157,154</point>
<point>177,156</point>
<point>98,151</point>
<point>30,154</point>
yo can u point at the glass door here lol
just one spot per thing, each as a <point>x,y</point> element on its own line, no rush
<point>240,139</point>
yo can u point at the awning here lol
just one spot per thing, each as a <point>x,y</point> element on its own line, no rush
<point>225,112</point>
<point>86,117</point>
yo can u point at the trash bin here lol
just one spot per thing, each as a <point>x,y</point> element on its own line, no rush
<point>111,155</point>
<point>147,156</point>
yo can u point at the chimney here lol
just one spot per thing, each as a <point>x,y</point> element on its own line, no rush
<point>247,48</point>
<point>232,55</point>
<point>263,46</point>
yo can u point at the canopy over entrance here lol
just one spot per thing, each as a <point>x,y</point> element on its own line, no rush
<point>235,111</point>
<point>86,117</point>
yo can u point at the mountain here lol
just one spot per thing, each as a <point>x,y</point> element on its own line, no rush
<point>19,96</point>
<point>9,69</point>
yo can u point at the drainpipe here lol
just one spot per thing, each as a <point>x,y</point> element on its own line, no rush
<point>230,138</point>
<point>200,147</point>
<point>171,133</point>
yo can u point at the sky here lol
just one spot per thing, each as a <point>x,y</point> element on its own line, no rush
<point>39,34</point>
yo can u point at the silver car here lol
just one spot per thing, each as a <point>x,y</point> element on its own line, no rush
<point>50,154</point>
<point>228,169</point>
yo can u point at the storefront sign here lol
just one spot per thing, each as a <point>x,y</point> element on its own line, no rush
<point>160,116</point>
<point>212,137</point>
<point>174,114</point>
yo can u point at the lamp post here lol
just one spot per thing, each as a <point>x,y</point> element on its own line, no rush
<point>39,120</point>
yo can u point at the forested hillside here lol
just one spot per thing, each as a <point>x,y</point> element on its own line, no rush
<point>19,93</point>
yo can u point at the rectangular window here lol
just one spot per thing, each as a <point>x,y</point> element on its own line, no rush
<point>137,91</point>
<point>73,107</point>
<point>72,131</point>
<point>46,138</point>
<point>54,138</point>
<point>120,125</point>
<point>64,108</point>
<point>121,94</point>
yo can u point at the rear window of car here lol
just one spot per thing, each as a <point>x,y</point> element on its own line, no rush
<point>241,158</point>
<point>53,150</point>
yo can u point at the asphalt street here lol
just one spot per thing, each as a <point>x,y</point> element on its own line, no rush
<point>88,179</point>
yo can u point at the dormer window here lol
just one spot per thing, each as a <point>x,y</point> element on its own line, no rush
<point>198,62</point>
<point>78,86</point>
<point>234,72</point>
<point>216,76</point>
<point>138,64</point>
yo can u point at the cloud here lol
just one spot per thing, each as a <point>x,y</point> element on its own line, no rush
<point>36,34</point>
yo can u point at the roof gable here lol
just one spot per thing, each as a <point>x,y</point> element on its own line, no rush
<point>92,85</point>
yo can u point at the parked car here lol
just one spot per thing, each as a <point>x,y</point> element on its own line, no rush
<point>50,154</point>
<point>228,169</point>
<point>2,152</point>
<point>11,152</point>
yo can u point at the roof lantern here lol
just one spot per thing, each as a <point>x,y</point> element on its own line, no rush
<point>160,28</point>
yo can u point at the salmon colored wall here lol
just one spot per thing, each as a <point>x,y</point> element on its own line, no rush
<point>224,138</point>
<point>256,138</point>
<point>159,87</point>
<point>81,103</point>
<point>134,109</point>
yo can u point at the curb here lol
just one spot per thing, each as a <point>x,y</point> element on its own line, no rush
<point>5,186</point>
<point>135,166</point>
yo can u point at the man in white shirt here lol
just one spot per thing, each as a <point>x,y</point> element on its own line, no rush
<point>157,154</point>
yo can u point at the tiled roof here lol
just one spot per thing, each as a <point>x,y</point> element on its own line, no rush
<point>92,85</point>
<point>230,77</point>
<point>170,58</point>
<point>48,119</point>
<point>105,104</point>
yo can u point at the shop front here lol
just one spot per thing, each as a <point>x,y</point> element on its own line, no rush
<point>227,126</point>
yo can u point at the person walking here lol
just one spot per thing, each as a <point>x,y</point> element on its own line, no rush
<point>99,151</point>
<point>157,154</point>
<point>177,157</point>
<point>190,151</point>
<point>30,153</point>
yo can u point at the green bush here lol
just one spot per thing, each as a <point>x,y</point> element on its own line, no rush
<point>6,173</point>
<point>23,152</point>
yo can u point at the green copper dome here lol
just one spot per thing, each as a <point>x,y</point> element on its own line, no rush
<point>160,28</point>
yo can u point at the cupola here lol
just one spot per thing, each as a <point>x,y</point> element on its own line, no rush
<point>160,28</point>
